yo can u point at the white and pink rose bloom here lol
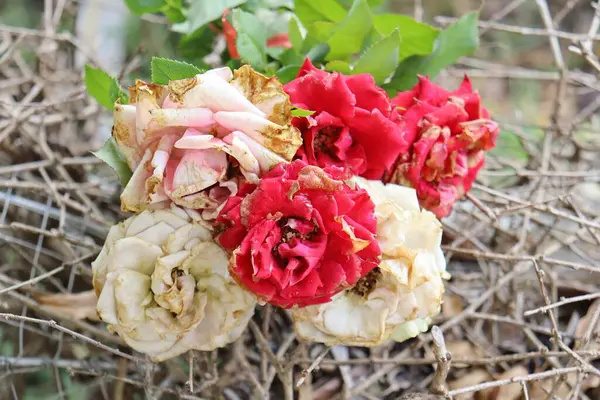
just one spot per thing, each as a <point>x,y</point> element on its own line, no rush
<point>190,142</point>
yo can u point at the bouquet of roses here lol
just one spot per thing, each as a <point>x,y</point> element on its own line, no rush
<point>319,196</point>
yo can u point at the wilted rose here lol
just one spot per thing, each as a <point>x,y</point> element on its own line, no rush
<point>354,125</point>
<point>450,133</point>
<point>300,236</point>
<point>163,286</point>
<point>397,299</point>
<point>187,141</point>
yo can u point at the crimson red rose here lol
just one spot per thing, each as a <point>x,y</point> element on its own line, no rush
<point>278,40</point>
<point>450,132</point>
<point>300,236</point>
<point>354,125</point>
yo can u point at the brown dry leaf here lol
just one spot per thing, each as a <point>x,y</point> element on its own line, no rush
<point>506,392</point>
<point>540,389</point>
<point>590,382</point>
<point>327,390</point>
<point>459,349</point>
<point>451,306</point>
<point>473,377</point>
<point>584,322</point>
<point>72,305</point>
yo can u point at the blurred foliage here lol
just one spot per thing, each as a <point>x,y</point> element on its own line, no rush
<point>348,36</point>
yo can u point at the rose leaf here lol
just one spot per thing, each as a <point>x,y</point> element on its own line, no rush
<point>165,70</point>
<point>381,59</point>
<point>102,87</point>
<point>140,7</point>
<point>110,154</point>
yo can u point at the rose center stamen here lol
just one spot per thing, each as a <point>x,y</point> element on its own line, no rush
<point>176,273</point>
<point>287,234</point>
<point>367,284</point>
<point>325,139</point>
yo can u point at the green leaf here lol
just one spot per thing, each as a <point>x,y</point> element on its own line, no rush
<point>349,36</point>
<point>196,45</point>
<point>318,52</point>
<point>323,10</point>
<point>300,112</point>
<point>288,73</point>
<point>459,39</point>
<point>101,86</point>
<point>381,59</point>
<point>110,154</point>
<point>321,30</point>
<point>202,12</point>
<point>417,38</point>
<point>290,57</point>
<point>275,52</point>
<point>249,50</point>
<point>297,33</point>
<point>251,38</point>
<point>509,146</point>
<point>165,70</point>
<point>144,6</point>
<point>173,11</point>
<point>116,93</point>
<point>339,66</point>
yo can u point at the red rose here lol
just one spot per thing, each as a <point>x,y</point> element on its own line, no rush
<point>354,125</point>
<point>300,236</point>
<point>278,40</point>
<point>450,132</point>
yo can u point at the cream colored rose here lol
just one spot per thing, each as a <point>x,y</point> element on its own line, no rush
<point>397,299</point>
<point>180,138</point>
<point>163,286</point>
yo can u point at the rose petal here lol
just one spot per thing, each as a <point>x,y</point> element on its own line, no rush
<point>210,90</point>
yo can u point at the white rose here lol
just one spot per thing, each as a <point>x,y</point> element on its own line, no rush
<point>162,285</point>
<point>397,299</point>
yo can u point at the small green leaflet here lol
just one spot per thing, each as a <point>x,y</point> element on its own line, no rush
<point>318,52</point>
<point>416,37</point>
<point>381,59</point>
<point>297,33</point>
<point>202,12</point>
<point>140,7</point>
<point>116,93</point>
<point>300,112</point>
<point>251,38</point>
<point>165,70</point>
<point>102,87</point>
<point>173,11</point>
<point>110,154</point>
<point>339,66</point>
<point>323,10</point>
<point>288,73</point>
<point>348,36</point>
<point>458,40</point>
